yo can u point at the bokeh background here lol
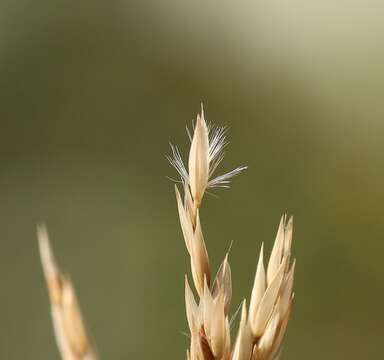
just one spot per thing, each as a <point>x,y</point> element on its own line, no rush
<point>92,92</point>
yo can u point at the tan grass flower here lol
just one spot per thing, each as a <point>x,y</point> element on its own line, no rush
<point>272,297</point>
<point>71,335</point>
<point>261,330</point>
<point>206,153</point>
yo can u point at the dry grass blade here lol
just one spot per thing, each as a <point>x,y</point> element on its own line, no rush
<point>70,332</point>
<point>261,331</point>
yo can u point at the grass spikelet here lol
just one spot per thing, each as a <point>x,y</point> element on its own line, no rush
<point>69,328</point>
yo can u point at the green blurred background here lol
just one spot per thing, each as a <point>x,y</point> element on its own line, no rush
<point>92,92</point>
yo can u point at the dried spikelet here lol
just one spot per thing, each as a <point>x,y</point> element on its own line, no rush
<point>244,342</point>
<point>262,330</point>
<point>206,153</point>
<point>223,283</point>
<point>199,160</point>
<point>199,258</point>
<point>70,332</point>
<point>272,297</point>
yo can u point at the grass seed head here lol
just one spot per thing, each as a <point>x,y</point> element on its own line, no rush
<point>70,332</point>
<point>261,331</point>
